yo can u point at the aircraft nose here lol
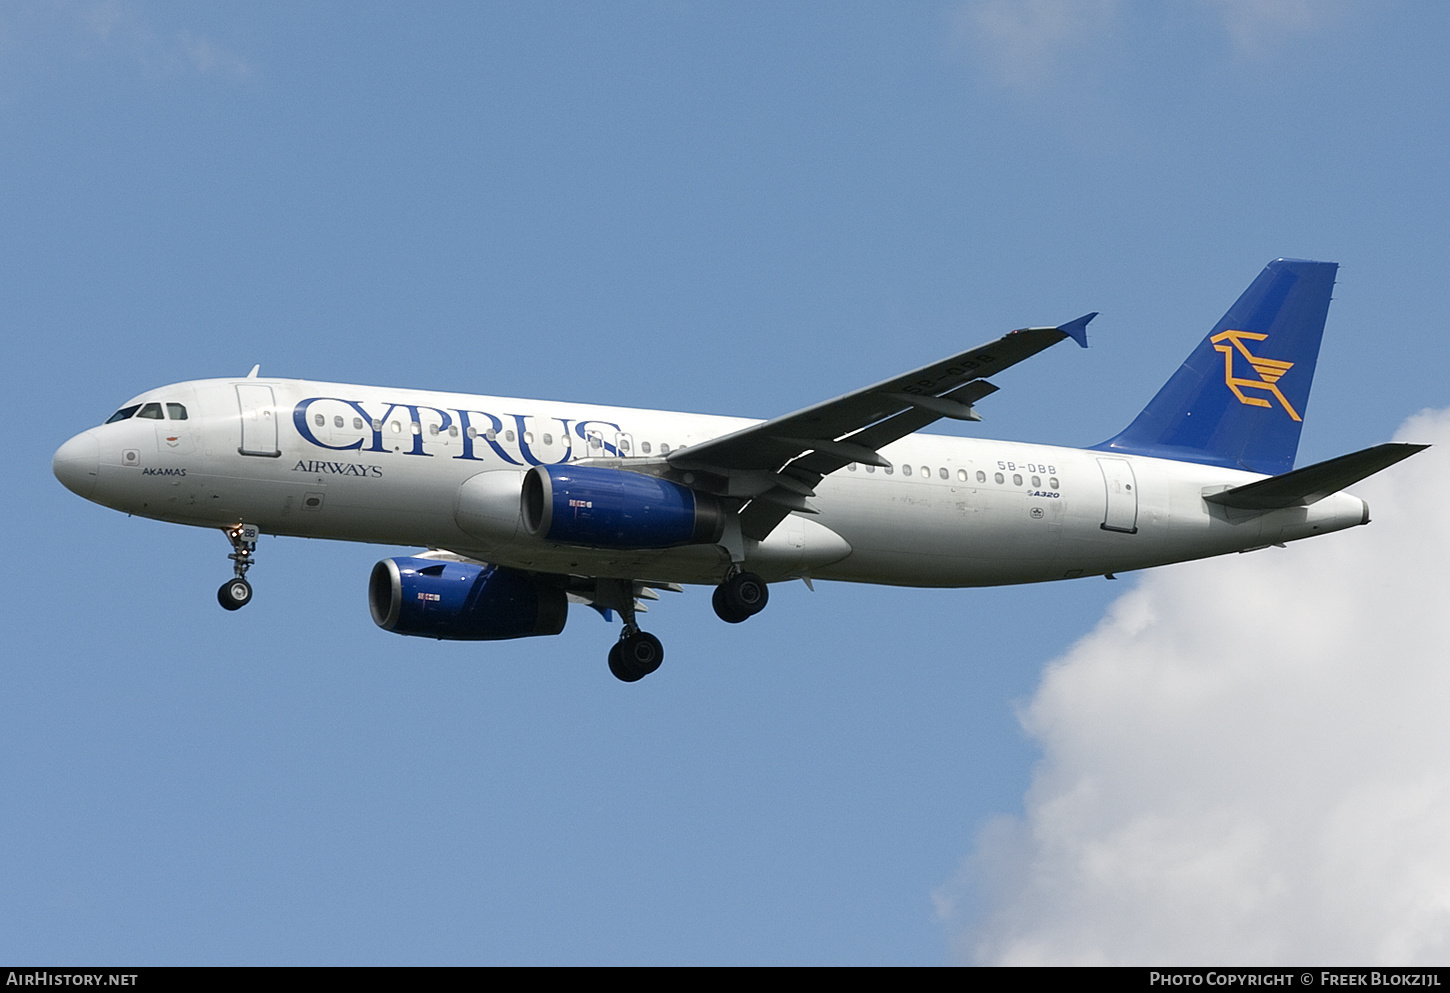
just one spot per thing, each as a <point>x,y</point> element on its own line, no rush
<point>77,464</point>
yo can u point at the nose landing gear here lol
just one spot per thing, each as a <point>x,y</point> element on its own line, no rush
<point>236,592</point>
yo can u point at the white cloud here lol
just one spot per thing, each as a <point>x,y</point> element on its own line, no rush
<point>1023,41</point>
<point>64,30</point>
<point>208,58</point>
<point>1255,26</point>
<point>1248,761</point>
<point>1027,44</point>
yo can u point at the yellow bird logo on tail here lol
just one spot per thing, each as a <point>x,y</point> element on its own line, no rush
<point>1270,371</point>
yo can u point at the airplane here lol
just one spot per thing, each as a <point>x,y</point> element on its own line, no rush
<point>527,506</point>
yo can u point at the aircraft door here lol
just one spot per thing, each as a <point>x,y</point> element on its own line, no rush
<point>259,420</point>
<point>1122,506</point>
<point>593,444</point>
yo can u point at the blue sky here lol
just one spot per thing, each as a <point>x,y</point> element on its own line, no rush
<point>726,208</point>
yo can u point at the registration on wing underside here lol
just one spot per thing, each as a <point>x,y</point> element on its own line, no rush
<point>805,446</point>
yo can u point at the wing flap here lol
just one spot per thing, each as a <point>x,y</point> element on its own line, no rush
<point>893,428</point>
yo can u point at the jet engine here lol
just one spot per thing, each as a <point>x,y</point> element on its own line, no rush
<point>463,601</point>
<point>614,508</point>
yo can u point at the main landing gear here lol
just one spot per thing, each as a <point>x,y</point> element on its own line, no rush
<point>236,592</point>
<point>638,653</point>
<point>635,655</point>
<point>741,596</point>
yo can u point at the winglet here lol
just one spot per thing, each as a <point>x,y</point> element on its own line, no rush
<point>1077,330</point>
<point>255,369</point>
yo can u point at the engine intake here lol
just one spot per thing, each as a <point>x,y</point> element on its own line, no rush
<point>463,601</point>
<point>615,508</point>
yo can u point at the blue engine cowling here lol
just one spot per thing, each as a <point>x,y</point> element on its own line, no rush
<point>614,508</point>
<point>462,601</point>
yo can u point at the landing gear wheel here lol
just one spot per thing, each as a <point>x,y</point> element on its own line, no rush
<point>741,596</point>
<point>617,666</point>
<point>234,594</point>
<point>635,656</point>
<point>723,609</point>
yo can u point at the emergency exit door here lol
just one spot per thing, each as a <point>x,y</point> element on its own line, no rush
<point>1122,504</point>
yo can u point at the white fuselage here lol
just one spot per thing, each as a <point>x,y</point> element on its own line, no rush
<point>358,463</point>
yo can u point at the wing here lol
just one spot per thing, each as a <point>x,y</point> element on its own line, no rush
<point>778,462</point>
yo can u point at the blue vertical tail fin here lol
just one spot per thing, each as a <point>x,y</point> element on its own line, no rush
<point>1239,400</point>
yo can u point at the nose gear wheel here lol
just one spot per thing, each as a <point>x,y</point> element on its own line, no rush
<point>234,594</point>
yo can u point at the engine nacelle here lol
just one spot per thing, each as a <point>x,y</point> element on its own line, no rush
<point>462,601</point>
<point>614,508</point>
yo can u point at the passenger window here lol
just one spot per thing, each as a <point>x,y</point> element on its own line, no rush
<point>319,420</point>
<point>415,427</point>
<point>926,472</point>
<point>942,472</point>
<point>453,431</point>
<point>981,476</point>
<point>377,424</point>
<point>870,468</point>
<point>508,436</point>
<point>548,439</point>
<point>397,427</point>
<point>664,449</point>
<point>906,470</point>
<point>1052,482</point>
<point>337,421</point>
<point>999,477</point>
<point>962,475</point>
<point>644,447</point>
<point>357,423</point>
<point>1016,479</point>
<point>123,414</point>
<point>433,429</point>
<point>152,412</point>
<point>852,467</point>
<point>528,437</point>
<point>888,470</point>
<point>176,411</point>
<point>1036,480</point>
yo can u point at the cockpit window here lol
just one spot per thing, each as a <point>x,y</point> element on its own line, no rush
<point>152,411</point>
<point>123,413</point>
<point>176,411</point>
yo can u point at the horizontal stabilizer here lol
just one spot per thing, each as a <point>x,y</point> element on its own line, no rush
<point>1313,482</point>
